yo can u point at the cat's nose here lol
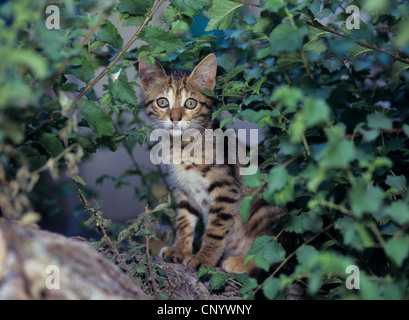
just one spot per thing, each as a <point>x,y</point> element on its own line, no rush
<point>175,119</point>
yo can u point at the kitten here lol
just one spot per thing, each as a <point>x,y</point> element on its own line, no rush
<point>174,101</point>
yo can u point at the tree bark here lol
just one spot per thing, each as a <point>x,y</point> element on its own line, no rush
<point>37,264</point>
<point>183,284</point>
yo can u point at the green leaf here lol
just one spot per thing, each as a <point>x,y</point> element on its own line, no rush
<point>287,38</point>
<point>311,221</point>
<point>84,72</point>
<point>229,106</point>
<point>249,285</point>
<point>261,262</point>
<point>314,112</point>
<point>338,155</point>
<point>255,116</point>
<point>277,179</point>
<point>273,252</point>
<point>224,122</point>
<point>202,272</point>
<point>356,50</point>
<point>306,255</point>
<point>221,14</point>
<point>259,243</point>
<point>51,144</point>
<point>294,224</point>
<point>379,121</point>
<point>405,128</point>
<point>315,47</point>
<point>398,182</point>
<point>289,61</point>
<point>364,199</point>
<point>245,208</point>
<point>287,96</point>
<point>262,25</point>
<point>189,4</point>
<point>397,249</point>
<point>135,7</point>
<point>78,179</point>
<point>217,281</point>
<point>121,89</point>
<point>98,120</point>
<point>274,5</point>
<point>270,287</point>
<point>32,60</point>
<point>13,130</point>
<point>332,64</point>
<point>157,37</point>
<point>399,212</point>
<point>349,232</point>
<point>397,68</point>
<point>252,180</point>
<point>109,33</point>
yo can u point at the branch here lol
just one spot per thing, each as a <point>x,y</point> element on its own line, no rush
<point>361,43</point>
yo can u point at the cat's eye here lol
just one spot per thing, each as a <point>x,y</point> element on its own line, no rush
<point>162,102</point>
<point>190,103</point>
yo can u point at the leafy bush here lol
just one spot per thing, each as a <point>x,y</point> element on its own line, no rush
<point>331,101</point>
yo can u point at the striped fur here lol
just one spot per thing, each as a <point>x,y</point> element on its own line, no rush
<point>211,191</point>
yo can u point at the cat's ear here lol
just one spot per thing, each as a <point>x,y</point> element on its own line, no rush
<point>204,75</point>
<point>149,74</point>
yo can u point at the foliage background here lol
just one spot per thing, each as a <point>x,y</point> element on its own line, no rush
<point>332,103</point>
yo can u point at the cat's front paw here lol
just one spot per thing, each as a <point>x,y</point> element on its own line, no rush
<point>197,261</point>
<point>236,265</point>
<point>170,254</point>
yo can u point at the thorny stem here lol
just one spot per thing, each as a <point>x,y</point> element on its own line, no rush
<point>103,232</point>
<point>149,256</point>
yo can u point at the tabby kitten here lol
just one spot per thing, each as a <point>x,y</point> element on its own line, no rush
<point>174,102</point>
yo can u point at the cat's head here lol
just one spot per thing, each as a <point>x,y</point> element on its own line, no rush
<point>174,100</point>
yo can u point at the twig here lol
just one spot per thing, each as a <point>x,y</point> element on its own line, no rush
<point>149,256</point>
<point>294,252</point>
<point>358,134</point>
<point>247,3</point>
